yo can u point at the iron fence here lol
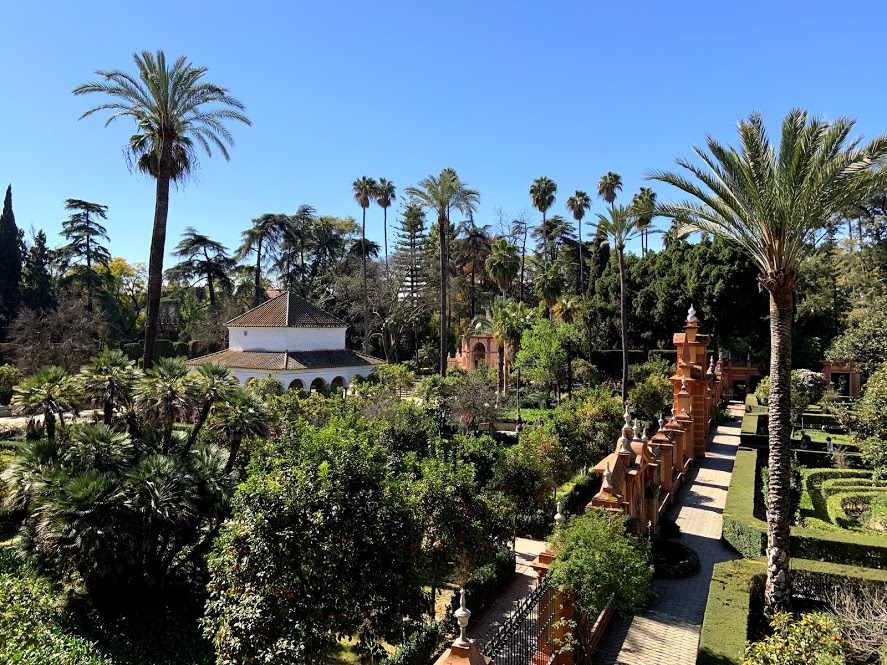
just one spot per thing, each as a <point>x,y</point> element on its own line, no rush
<point>527,631</point>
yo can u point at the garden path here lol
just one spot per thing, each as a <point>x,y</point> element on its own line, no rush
<point>669,631</point>
<point>526,550</point>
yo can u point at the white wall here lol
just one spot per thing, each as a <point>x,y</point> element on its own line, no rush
<point>307,376</point>
<point>286,339</point>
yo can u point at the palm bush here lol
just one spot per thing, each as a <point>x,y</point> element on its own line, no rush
<point>49,392</point>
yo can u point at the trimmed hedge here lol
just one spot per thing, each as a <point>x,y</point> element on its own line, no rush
<point>421,647</point>
<point>487,583</point>
<point>748,535</point>
<point>202,347</point>
<point>577,498</point>
<point>609,361</point>
<point>671,355</point>
<point>837,504</point>
<point>733,583</point>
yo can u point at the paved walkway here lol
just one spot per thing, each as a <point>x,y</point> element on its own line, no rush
<point>526,550</point>
<point>669,631</point>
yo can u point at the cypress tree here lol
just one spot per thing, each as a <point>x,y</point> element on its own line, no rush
<point>36,284</point>
<point>10,265</point>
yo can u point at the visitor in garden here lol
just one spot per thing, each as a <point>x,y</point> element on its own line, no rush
<point>829,446</point>
<point>805,440</point>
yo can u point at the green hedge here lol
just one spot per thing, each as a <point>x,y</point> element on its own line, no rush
<point>487,582</point>
<point>817,420</point>
<point>748,535</point>
<point>202,347</point>
<point>421,647</point>
<point>579,496</point>
<point>725,625</point>
<point>836,505</point>
<point>671,355</point>
<point>609,361</point>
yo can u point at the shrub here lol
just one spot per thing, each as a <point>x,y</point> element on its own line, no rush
<point>578,497</point>
<point>9,377</point>
<point>421,647</point>
<point>486,583</point>
<point>815,638</point>
<point>864,620</point>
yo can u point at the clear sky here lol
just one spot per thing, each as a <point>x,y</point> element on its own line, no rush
<point>503,92</point>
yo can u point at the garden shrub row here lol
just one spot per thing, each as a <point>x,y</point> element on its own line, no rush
<point>725,625</point>
<point>609,361</point>
<point>837,505</point>
<point>487,582</point>
<point>420,648</point>
<point>748,534</point>
<point>576,499</point>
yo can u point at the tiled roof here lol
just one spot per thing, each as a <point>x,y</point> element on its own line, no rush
<point>287,310</point>
<point>288,360</point>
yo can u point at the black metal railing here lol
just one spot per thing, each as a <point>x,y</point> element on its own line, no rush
<point>529,629</point>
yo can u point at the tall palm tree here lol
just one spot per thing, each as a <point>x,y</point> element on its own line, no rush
<point>204,258</point>
<point>549,285</point>
<point>173,107</point>
<point>568,309</point>
<point>608,185</point>
<point>241,415</point>
<point>212,384</point>
<point>644,204</point>
<point>49,391</point>
<point>165,394</point>
<point>494,324</point>
<point>503,264</point>
<point>542,193</point>
<point>386,192</point>
<point>108,380</point>
<point>772,201</point>
<point>261,238</point>
<point>365,190</point>
<point>443,194</point>
<point>473,249</point>
<point>620,225</point>
<point>577,205</point>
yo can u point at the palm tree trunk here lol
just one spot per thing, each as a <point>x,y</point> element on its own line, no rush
<point>366,327</point>
<point>232,456</point>
<point>158,244</point>
<point>624,320</point>
<point>776,593</point>
<point>443,224</point>
<point>109,411</point>
<point>501,367</point>
<point>201,419</point>
<point>385,231</point>
<point>581,266</point>
<point>167,432</point>
<point>209,283</point>
<point>49,424</point>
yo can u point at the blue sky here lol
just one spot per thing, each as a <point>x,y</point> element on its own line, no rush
<point>503,92</point>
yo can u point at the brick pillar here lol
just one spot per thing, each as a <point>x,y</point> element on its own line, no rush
<point>561,606</point>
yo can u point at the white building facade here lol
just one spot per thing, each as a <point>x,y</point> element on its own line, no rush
<point>293,341</point>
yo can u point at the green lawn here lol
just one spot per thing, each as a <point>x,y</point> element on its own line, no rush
<point>528,415</point>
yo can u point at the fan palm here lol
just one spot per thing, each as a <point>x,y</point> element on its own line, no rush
<point>644,204</point>
<point>365,190</point>
<point>108,380</point>
<point>263,234</point>
<point>213,383</point>
<point>542,193</point>
<point>49,391</point>
<point>620,225</point>
<point>173,107</point>
<point>241,416</point>
<point>549,285</point>
<point>578,204</point>
<point>385,195</point>
<point>772,201</point>
<point>503,264</point>
<point>442,194</point>
<point>165,394</point>
<point>473,249</point>
<point>568,309</point>
<point>608,185</point>
<point>203,258</point>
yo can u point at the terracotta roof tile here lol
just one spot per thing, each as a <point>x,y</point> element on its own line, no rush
<point>292,360</point>
<point>287,310</point>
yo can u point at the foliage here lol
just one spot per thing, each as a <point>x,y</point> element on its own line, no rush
<point>542,358</point>
<point>813,382</point>
<point>600,564</point>
<point>9,377</point>
<point>472,398</point>
<point>864,341</point>
<point>10,265</point>
<point>814,638</point>
<point>649,399</point>
<point>653,366</point>
<point>265,387</point>
<point>807,387</point>
<point>323,542</point>
<point>421,646</point>
<point>49,392</point>
<point>487,582</point>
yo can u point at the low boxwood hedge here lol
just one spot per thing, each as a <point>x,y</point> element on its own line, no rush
<point>578,497</point>
<point>725,625</point>
<point>748,534</point>
<point>487,582</point>
<point>837,505</point>
<point>421,647</point>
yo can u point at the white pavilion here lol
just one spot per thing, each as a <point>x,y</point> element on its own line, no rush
<point>294,341</point>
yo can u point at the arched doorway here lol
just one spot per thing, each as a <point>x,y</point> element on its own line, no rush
<point>337,385</point>
<point>478,355</point>
<point>318,385</point>
<point>297,384</point>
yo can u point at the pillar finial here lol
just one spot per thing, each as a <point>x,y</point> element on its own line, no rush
<point>691,315</point>
<point>608,477</point>
<point>462,616</point>
<point>558,516</point>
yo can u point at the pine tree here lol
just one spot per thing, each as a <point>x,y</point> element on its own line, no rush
<point>10,265</point>
<point>36,283</point>
<point>84,253</point>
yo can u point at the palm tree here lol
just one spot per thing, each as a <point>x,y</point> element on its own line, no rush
<point>620,225</point>
<point>443,194</point>
<point>772,201</point>
<point>503,264</point>
<point>49,391</point>
<point>240,416</point>
<point>365,190</point>
<point>212,384</point>
<point>108,379</point>
<point>608,185</point>
<point>264,233</point>
<point>644,204</point>
<point>577,205</point>
<point>165,393</point>
<point>568,309</point>
<point>472,250</point>
<point>173,107</point>
<point>385,195</point>
<point>549,285</point>
<point>203,258</point>
<point>542,193</point>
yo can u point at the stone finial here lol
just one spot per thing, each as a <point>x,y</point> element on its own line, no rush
<point>608,478</point>
<point>625,445</point>
<point>627,417</point>
<point>645,438</point>
<point>691,315</point>
<point>636,429</point>
<point>661,421</point>
<point>462,616</point>
<point>558,516</point>
<point>683,383</point>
